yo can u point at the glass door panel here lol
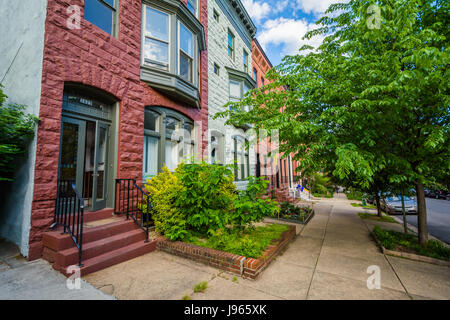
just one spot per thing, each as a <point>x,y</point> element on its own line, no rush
<point>71,164</point>
<point>100,166</point>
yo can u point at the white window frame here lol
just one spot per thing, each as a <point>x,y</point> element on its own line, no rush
<point>195,5</point>
<point>245,61</point>
<point>145,35</point>
<point>194,52</point>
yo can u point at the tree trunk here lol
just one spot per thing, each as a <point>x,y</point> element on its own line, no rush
<point>377,200</point>
<point>421,214</point>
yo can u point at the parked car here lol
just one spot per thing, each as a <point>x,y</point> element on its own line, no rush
<point>427,192</point>
<point>447,197</point>
<point>438,194</point>
<point>393,205</point>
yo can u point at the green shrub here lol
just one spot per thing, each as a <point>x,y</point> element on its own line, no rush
<point>163,190</point>
<point>392,239</point>
<point>206,196</point>
<point>16,131</point>
<point>249,207</point>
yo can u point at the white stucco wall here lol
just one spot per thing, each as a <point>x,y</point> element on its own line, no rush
<point>22,28</point>
<point>219,84</point>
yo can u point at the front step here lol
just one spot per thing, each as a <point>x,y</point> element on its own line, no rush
<point>113,257</point>
<point>106,241</point>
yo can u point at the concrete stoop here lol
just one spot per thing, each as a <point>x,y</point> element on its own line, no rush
<point>106,242</point>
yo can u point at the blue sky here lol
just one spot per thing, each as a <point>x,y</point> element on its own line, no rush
<point>282,23</point>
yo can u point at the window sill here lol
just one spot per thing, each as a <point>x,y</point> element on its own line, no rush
<point>172,85</point>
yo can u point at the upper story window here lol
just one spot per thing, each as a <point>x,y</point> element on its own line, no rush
<point>171,43</point>
<point>262,81</point>
<point>192,6</point>
<point>255,74</point>
<point>216,69</point>
<point>245,58</point>
<point>102,13</point>
<point>186,52</point>
<point>230,44</point>
<point>238,88</point>
<point>156,38</point>
<point>216,15</point>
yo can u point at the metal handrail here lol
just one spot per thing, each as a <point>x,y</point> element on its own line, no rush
<point>69,213</point>
<point>134,202</point>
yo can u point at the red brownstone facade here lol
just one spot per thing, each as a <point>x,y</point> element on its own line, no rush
<point>91,57</point>
<point>261,64</point>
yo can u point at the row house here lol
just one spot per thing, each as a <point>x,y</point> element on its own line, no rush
<point>121,89</point>
<point>230,34</point>
<point>279,169</point>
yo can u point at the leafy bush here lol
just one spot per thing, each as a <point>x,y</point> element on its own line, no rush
<point>391,240</point>
<point>164,189</point>
<point>16,131</point>
<point>206,196</point>
<point>249,207</point>
<point>291,211</point>
<point>353,194</point>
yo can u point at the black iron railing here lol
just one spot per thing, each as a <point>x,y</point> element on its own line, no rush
<point>134,202</point>
<point>69,213</point>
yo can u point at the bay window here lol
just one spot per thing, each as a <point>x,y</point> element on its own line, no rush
<point>186,52</point>
<point>192,6</point>
<point>172,39</point>
<point>156,38</point>
<point>168,139</point>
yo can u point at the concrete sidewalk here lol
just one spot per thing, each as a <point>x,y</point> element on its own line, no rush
<point>328,260</point>
<point>36,280</point>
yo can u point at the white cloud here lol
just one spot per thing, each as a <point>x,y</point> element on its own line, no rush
<point>315,6</point>
<point>257,10</point>
<point>288,33</point>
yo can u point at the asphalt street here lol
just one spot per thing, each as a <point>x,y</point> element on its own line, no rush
<point>438,217</point>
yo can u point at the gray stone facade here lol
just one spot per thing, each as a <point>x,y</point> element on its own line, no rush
<point>219,92</point>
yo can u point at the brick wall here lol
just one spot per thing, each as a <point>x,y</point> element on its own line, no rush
<point>92,57</point>
<point>246,267</point>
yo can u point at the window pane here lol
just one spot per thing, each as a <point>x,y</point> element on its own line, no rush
<point>110,2</point>
<point>171,125</point>
<point>185,67</point>
<point>189,130</point>
<point>157,24</point>
<point>230,40</point>
<point>156,51</point>
<point>99,14</point>
<point>191,5</point>
<point>151,120</point>
<point>186,40</point>
<point>171,154</point>
<point>235,89</point>
<point>255,74</point>
<point>150,157</point>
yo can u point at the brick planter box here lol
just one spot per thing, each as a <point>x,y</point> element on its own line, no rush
<point>309,217</point>
<point>239,265</point>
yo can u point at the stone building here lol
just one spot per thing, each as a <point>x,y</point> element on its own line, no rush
<point>120,87</point>
<point>230,33</point>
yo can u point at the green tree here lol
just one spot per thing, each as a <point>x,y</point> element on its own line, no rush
<point>16,131</point>
<point>373,96</point>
